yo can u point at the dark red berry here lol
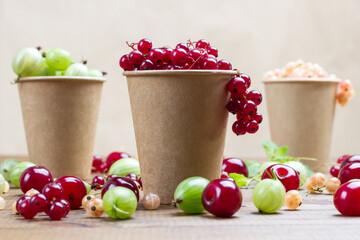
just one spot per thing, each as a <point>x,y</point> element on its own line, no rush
<point>26,210</point>
<point>183,46</point>
<point>254,96</point>
<point>114,156</point>
<point>147,65</point>
<point>53,192</point>
<point>136,58</point>
<point>36,178</point>
<point>249,108</point>
<point>178,57</point>
<point>66,205</point>
<point>246,78</point>
<point>236,86</point>
<point>257,117</point>
<point>209,63</point>
<point>156,56</point>
<point>252,127</point>
<point>167,55</point>
<point>56,211</point>
<point>125,64</point>
<point>234,106</point>
<point>202,43</point>
<point>144,46</point>
<point>224,65</point>
<point>98,181</point>
<point>239,128</point>
<point>213,51</point>
<point>39,202</point>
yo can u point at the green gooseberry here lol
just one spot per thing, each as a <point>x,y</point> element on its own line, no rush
<point>6,166</point>
<point>188,194</point>
<point>17,170</point>
<point>268,195</point>
<point>124,166</point>
<point>119,202</point>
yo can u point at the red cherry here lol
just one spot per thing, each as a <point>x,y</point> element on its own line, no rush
<point>352,159</point>
<point>222,198</point>
<point>144,46</point>
<point>74,190</point>
<point>286,175</point>
<point>234,165</point>
<point>110,177</point>
<point>114,156</point>
<point>334,170</point>
<point>343,158</point>
<point>120,182</point>
<point>346,198</point>
<point>349,171</point>
<point>36,178</point>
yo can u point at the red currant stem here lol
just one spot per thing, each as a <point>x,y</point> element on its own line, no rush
<point>201,55</point>
<point>132,45</point>
<point>119,210</point>
<point>315,189</point>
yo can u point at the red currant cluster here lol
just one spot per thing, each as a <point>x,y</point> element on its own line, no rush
<point>190,55</point>
<point>99,166</point>
<point>44,194</point>
<point>244,105</point>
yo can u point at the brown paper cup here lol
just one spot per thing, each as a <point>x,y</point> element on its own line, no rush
<point>180,124</point>
<point>301,115</point>
<point>60,116</point>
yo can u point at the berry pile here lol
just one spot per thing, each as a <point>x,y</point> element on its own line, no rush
<point>244,105</point>
<point>301,69</point>
<point>199,55</point>
<point>190,55</point>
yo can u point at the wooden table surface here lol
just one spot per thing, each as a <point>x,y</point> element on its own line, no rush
<point>316,218</point>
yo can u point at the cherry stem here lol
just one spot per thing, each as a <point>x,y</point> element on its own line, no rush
<point>175,201</point>
<point>119,210</point>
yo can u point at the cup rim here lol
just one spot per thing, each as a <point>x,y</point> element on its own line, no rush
<point>302,80</point>
<point>178,72</point>
<point>61,78</point>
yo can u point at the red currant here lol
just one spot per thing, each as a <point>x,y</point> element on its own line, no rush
<point>136,58</point>
<point>239,128</point>
<point>209,63</point>
<point>213,51</point>
<point>202,44</point>
<point>195,54</point>
<point>56,211</point>
<point>39,202</point>
<point>249,108</point>
<point>234,106</point>
<point>144,46</point>
<point>53,192</point>
<point>147,65</point>
<point>167,55</point>
<point>66,205</point>
<point>98,181</point>
<point>179,56</point>
<point>156,56</point>
<point>257,117</point>
<point>20,200</point>
<point>254,96</point>
<point>125,63</point>
<point>26,210</point>
<point>246,78</point>
<point>252,127</point>
<point>183,46</point>
<point>224,65</point>
<point>96,163</point>
<point>236,86</point>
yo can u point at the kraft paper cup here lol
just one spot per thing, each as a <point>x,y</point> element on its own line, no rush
<point>180,124</point>
<point>60,116</point>
<point>301,115</point>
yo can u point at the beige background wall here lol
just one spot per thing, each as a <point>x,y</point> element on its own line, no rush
<point>254,35</point>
